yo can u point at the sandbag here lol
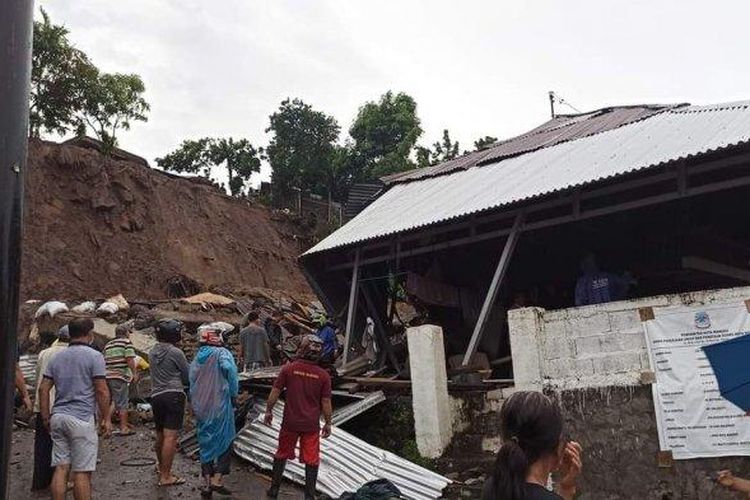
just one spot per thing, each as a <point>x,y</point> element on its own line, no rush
<point>120,302</point>
<point>107,308</point>
<point>51,308</point>
<point>85,307</point>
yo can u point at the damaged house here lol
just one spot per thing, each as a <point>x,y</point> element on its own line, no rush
<point>489,247</point>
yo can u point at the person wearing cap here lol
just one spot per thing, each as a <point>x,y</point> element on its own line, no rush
<point>308,393</point>
<point>43,469</point>
<point>213,387</point>
<point>119,356</point>
<point>169,381</point>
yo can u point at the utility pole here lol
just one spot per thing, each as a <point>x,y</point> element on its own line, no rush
<point>16,30</point>
<point>552,103</point>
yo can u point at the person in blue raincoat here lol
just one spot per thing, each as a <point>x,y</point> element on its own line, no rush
<point>213,386</point>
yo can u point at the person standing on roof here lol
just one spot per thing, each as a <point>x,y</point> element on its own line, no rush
<point>308,393</point>
<point>78,374</point>
<point>169,380</point>
<point>119,356</point>
<point>255,349</point>
<point>213,387</point>
<point>43,469</point>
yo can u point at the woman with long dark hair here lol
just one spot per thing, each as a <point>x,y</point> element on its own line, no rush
<point>533,448</point>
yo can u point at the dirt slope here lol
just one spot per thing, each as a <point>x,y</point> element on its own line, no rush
<point>95,226</point>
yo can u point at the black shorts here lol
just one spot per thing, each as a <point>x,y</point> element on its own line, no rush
<point>169,410</point>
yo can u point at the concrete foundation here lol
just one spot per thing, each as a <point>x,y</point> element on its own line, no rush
<point>432,407</point>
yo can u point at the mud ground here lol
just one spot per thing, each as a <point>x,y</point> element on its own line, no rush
<point>114,481</point>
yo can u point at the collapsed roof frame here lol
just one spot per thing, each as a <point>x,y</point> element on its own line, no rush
<point>679,179</point>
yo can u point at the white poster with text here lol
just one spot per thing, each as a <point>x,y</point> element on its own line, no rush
<point>692,417</point>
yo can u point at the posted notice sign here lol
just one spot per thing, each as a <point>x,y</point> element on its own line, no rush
<point>692,417</point>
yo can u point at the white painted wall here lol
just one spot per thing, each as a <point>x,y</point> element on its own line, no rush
<point>593,346</point>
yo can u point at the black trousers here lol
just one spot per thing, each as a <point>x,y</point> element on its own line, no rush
<point>43,469</point>
<point>220,465</point>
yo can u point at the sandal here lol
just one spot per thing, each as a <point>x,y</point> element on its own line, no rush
<point>177,481</point>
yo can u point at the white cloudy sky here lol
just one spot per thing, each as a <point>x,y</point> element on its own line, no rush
<point>220,67</point>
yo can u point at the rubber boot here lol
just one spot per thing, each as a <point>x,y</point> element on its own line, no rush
<point>278,475</point>
<point>311,481</point>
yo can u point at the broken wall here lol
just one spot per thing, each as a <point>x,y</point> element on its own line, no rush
<point>592,358</point>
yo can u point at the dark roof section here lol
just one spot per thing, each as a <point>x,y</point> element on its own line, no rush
<point>361,195</point>
<point>97,145</point>
<point>562,128</point>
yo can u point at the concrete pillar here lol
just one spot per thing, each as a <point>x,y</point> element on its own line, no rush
<point>525,328</point>
<point>429,387</point>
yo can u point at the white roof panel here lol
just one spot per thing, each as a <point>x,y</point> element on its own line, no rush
<point>662,138</point>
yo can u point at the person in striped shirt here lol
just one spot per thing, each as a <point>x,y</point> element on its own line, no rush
<point>119,356</point>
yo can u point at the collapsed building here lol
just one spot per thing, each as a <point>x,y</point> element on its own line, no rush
<point>488,247</point>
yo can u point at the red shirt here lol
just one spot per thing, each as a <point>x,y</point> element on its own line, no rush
<point>306,385</point>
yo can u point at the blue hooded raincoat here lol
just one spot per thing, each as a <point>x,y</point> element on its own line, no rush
<point>213,384</point>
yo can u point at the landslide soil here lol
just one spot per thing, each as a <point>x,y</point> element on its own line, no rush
<point>96,226</point>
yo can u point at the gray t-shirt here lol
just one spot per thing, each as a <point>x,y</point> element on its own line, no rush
<point>255,345</point>
<point>73,371</point>
<point>169,369</point>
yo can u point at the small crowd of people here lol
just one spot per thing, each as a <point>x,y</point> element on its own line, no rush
<point>80,389</point>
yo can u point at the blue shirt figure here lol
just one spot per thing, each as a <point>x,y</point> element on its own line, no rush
<point>328,335</point>
<point>598,287</point>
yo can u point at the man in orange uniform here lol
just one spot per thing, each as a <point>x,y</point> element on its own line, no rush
<point>308,393</point>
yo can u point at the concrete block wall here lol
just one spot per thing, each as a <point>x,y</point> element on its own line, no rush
<point>593,346</point>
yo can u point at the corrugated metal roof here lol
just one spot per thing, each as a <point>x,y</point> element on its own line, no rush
<point>668,136</point>
<point>562,128</point>
<point>361,195</point>
<point>346,461</point>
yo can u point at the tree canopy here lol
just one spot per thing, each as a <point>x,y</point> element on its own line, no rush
<point>441,151</point>
<point>238,157</point>
<point>111,102</point>
<point>68,92</point>
<point>385,133</point>
<point>59,74</point>
<point>484,142</point>
<point>302,151</point>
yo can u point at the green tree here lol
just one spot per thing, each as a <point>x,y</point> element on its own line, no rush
<point>111,101</point>
<point>59,74</point>
<point>238,157</point>
<point>484,142</point>
<point>302,151</point>
<point>385,133</point>
<point>441,151</point>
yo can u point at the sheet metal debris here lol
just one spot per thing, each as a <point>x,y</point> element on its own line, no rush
<point>346,462</point>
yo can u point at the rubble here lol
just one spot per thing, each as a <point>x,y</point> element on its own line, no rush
<point>346,462</point>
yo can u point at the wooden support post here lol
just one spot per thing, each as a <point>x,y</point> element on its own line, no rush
<point>351,313</point>
<point>497,279</point>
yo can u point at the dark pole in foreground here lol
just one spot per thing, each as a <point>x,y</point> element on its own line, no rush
<point>16,29</point>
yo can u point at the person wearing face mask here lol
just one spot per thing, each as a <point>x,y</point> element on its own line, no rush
<point>533,448</point>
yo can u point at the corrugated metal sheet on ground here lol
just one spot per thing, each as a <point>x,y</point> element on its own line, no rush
<point>346,462</point>
<point>668,136</point>
<point>559,129</point>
